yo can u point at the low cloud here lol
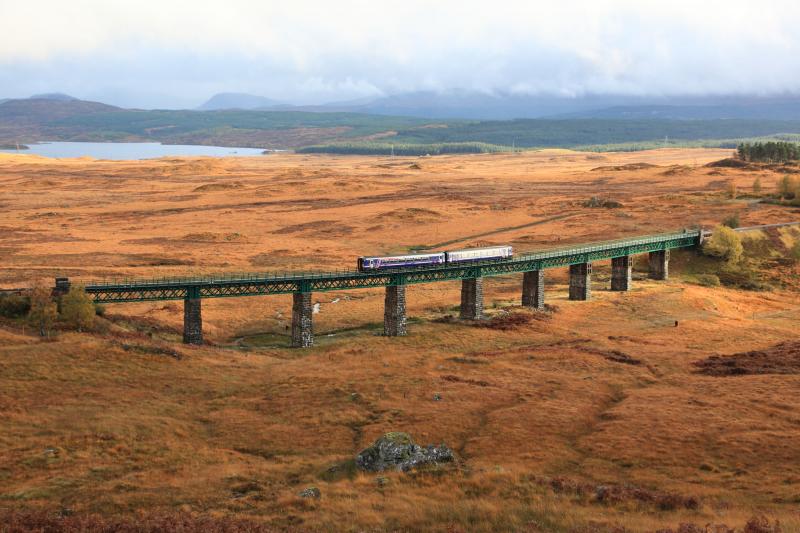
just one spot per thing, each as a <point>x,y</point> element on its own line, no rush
<point>177,53</point>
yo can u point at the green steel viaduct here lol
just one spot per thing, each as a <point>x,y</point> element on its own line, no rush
<point>578,258</point>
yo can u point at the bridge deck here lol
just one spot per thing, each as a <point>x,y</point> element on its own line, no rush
<point>255,284</point>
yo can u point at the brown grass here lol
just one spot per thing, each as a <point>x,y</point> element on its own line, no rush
<point>125,422</point>
<point>783,358</point>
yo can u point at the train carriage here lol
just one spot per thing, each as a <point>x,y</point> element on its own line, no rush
<point>367,264</point>
<point>487,253</point>
<point>471,255</point>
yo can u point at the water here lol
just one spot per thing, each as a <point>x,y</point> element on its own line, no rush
<point>122,151</point>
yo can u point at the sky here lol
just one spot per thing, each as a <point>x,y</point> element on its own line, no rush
<point>177,53</point>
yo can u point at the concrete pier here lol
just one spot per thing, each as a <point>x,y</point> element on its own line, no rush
<point>621,270</point>
<point>302,327</point>
<point>580,281</point>
<point>471,298</point>
<point>394,311</point>
<point>192,320</point>
<point>659,265</point>
<point>533,289</point>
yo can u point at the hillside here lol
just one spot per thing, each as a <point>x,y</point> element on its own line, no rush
<point>35,120</point>
<point>673,403</point>
<point>32,120</point>
<point>39,111</point>
<point>506,106</point>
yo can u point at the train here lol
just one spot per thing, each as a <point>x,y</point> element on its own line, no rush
<point>469,255</point>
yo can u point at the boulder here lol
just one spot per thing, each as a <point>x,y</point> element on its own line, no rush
<point>311,492</point>
<point>397,451</point>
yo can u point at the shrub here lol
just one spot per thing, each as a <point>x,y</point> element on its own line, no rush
<point>14,305</point>
<point>43,310</point>
<point>77,308</point>
<point>724,244</point>
<point>732,221</point>
<point>730,189</point>
<point>595,201</point>
<point>708,280</point>
<point>757,186</point>
<point>794,253</point>
<point>742,277</point>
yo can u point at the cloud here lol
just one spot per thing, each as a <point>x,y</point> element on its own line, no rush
<point>182,51</point>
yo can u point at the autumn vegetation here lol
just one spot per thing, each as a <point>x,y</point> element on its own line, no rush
<point>670,407</point>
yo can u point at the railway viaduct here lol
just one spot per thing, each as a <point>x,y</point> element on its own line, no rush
<point>578,258</point>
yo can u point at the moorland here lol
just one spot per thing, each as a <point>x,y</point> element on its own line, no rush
<point>669,406</point>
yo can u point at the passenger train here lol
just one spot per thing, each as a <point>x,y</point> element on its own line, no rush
<point>471,255</point>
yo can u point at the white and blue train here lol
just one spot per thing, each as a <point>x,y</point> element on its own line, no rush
<point>470,255</point>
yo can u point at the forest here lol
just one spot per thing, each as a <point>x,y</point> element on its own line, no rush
<point>769,152</point>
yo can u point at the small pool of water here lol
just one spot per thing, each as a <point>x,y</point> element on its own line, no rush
<point>123,151</point>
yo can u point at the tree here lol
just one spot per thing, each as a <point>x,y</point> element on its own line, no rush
<point>43,309</point>
<point>732,221</point>
<point>77,308</point>
<point>757,186</point>
<point>769,152</point>
<point>730,189</point>
<point>725,244</point>
<point>794,253</point>
<point>788,187</point>
<point>742,152</point>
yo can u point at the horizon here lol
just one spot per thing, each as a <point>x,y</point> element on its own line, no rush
<point>176,55</point>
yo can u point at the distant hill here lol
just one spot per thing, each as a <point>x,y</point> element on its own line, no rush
<point>44,110</point>
<point>32,120</point>
<point>505,106</point>
<point>483,106</point>
<point>238,101</point>
<point>27,120</point>
<point>767,108</point>
<point>53,96</point>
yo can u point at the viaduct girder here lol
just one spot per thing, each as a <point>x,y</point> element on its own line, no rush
<point>224,286</point>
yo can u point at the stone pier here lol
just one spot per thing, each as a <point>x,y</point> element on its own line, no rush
<point>62,287</point>
<point>621,270</point>
<point>192,319</point>
<point>394,311</point>
<point>580,281</point>
<point>533,289</point>
<point>471,298</point>
<point>659,265</point>
<point>302,330</point>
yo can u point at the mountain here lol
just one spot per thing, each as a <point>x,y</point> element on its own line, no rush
<point>53,96</point>
<point>465,104</point>
<point>238,101</point>
<point>483,106</point>
<point>785,107</point>
<point>44,110</point>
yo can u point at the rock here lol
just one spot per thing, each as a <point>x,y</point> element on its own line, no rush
<point>397,451</point>
<point>311,492</point>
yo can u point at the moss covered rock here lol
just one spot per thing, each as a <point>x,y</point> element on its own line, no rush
<point>397,451</point>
